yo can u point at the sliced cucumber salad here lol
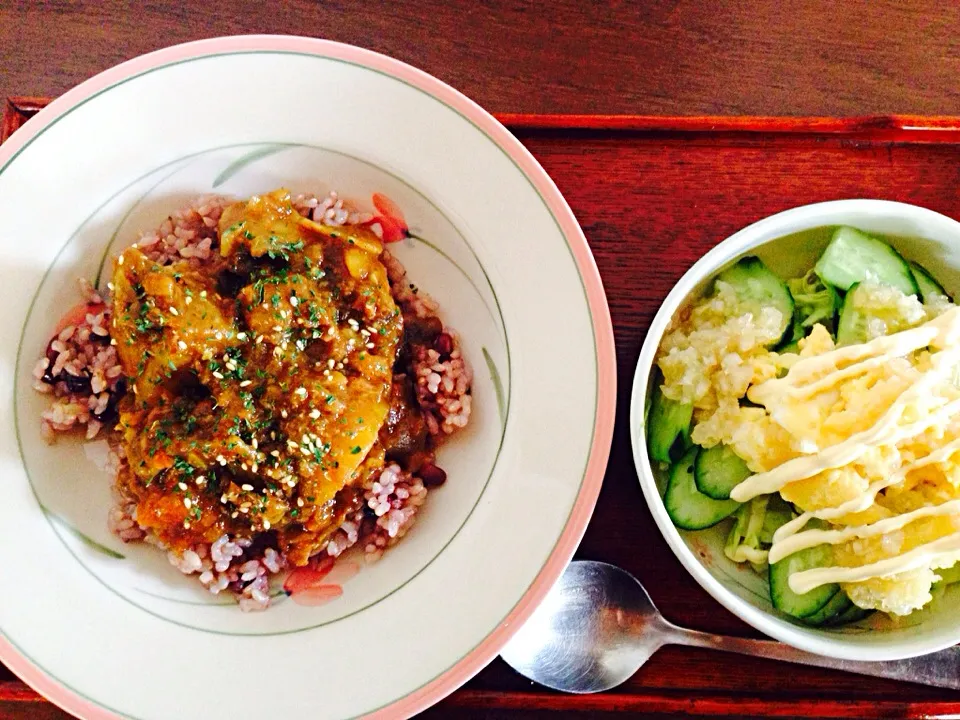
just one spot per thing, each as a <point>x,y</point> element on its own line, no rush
<point>839,293</point>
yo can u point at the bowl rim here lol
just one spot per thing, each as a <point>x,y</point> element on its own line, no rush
<point>582,510</point>
<point>749,238</point>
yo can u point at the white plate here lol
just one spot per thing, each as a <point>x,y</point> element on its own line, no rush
<point>105,629</point>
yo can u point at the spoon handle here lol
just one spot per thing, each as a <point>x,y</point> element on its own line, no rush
<point>940,669</point>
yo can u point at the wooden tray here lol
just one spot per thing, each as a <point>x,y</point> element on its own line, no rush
<point>653,195</point>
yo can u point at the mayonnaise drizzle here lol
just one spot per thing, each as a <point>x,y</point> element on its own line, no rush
<point>812,375</point>
<point>945,550</point>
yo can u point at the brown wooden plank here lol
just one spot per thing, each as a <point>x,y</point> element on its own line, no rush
<point>665,57</point>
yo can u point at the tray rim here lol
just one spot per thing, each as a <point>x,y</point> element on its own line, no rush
<point>891,127</point>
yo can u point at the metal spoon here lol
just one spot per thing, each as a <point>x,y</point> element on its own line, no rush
<point>598,626</point>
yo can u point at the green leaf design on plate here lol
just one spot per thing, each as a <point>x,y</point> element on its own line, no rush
<point>466,275</point>
<point>241,162</point>
<point>276,597</point>
<point>113,238</point>
<point>497,385</point>
<point>86,540</point>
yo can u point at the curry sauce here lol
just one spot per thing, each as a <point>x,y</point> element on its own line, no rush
<point>261,390</point>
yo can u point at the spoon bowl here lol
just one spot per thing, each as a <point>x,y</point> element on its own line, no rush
<point>590,633</point>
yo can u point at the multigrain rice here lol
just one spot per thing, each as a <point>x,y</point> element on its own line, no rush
<point>81,372</point>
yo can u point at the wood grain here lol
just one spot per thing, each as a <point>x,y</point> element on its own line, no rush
<point>663,57</point>
<point>652,196</point>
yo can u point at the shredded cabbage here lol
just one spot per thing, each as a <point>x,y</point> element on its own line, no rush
<point>814,302</point>
<point>754,524</point>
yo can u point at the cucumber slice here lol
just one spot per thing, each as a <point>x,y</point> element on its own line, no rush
<point>668,422</point>
<point>757,288</point>
<point>718,471</point>
<point>928,285</point>
<point>779,512</point>
<point>689,508</point>
<point>853,257</point>
<point>837,605</point>
<point>860,307</point>
<point>852,328</point>
<point>852,614</point>
<point>785,599</point>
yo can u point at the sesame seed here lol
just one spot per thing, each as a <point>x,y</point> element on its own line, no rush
<point>254,469</point>
<point>182,486</point>
<point>315,414</point>
<point>113,341</point>
<point>243,466</point>
<point>187,503</point>
<point>253,442</point>
<point>109,286</point>
<point>278,328</point>
<point>331,363</point>
<point>234,514</point>
<point>241,335</point>
<point>292,444</point>
<point>293,301</point>
<point>299,502</point>
<point>120,259</point>
<point>182,345</point>
<point>188,300</point>
<point>201,480</point>
<point>246,486</point>
<point>275,453</point>
<point>246,382</point>
<point>173,311</point>
<point>223,498</point>
<point>266,524</point>
<point>283,414</point>
<point>301,391</point>
<point>186,524</point>
<point>305,451</point>
<point>218,375</point>
<point>203,293</point>
<point>259,339</point>
<point>370,346</point>
<point>305,440</point>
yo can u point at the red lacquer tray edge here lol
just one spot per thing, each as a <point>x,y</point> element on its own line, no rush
<point>880,128</point>
<point>889,128</point>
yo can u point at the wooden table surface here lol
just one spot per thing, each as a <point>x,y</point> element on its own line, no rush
<point>729,57</point>
<point>664,57</point>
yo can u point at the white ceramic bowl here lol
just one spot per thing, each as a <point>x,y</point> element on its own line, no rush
<point>934,241</point>
<point>109,630</point>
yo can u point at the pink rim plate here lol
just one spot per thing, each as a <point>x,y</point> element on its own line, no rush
<point>486,651</point>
